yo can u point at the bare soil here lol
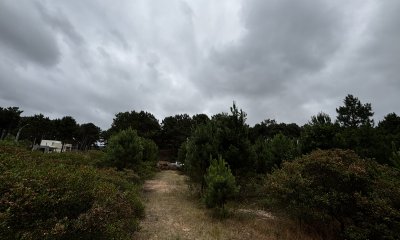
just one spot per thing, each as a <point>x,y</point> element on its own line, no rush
<point>172,212</point>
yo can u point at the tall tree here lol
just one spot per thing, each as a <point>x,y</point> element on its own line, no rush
<point>390,124</point>
<point>199,119</point>
<point>389,129</point>
<point>268,128</point>
<point>233,137</point>
<point>175,130</point>
<point>354,113</point>
<point>9,119</point>
<point>67,129</point>
<point>318,133</point>
<point>88,134</point>
<point>144,123</point>
<point>36,128</point>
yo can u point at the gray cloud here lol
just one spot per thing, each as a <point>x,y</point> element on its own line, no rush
<point>285,42</point>
<point>278,59</point>
<point>23,34</point>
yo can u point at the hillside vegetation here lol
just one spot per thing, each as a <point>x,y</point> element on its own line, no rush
<point>65,196</point>
<point>334,178</point>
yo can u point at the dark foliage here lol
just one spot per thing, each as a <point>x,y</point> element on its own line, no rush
<point>62,196</point>
<point>337,188</point>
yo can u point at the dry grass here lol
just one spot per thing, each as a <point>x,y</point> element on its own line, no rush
<point>172,213</point>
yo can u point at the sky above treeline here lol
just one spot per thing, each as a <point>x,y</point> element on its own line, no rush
<point>279,59</point>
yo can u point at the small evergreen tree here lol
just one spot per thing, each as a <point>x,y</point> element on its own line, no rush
<point>282,148</point>
<point>125,150</point>
<point>200,146</point>
<point>221,185</point>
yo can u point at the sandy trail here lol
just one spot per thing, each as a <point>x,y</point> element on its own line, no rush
<point>172,213</point>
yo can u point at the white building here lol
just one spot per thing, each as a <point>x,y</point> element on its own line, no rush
<point>52,146</point>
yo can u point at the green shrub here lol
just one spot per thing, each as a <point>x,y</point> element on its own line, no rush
<point>221,186</point>
<point>150,150</point>
<point>46,196</point>
<point>125,150</point>
<point>337,188</point>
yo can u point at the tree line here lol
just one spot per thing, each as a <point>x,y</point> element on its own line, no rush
<point>353,129</point>
<point>33,129</point>
<point>306,173</point>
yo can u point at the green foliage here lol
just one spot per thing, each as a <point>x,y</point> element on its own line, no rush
<point>271,153</point>
<point>390,124</point>
<point>88,134</point>
<point>175,130</point>
<point>52,196</point>
<point>233,140</point>
<point>282,148</point>
<point>395,158</point>
<point>354,113</point>
<point>366,142</point>
<point>150,150</point>
<point>144,123</point>
<point>200,146</point>
<point>67,129</point>
<point>9,118</point>
<point>37,127</point>
<point>182,152</point>
<point>225,135</point>
<point>264,157</point>
<point>337,188</point>
<point>125,150</point>
<point>221,185</point>
<point>319,133</point>
<point>268,128</point>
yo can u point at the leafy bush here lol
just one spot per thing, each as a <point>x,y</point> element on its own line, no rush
<point>271,153</point>
<point>221,185</point>
<point>125,150</point>
<point>150,150</point>
<point>46,196</point>
<point>337,188</point>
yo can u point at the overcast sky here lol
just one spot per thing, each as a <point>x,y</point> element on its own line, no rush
<point>279,59</point>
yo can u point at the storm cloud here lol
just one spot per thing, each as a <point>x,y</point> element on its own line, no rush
<point>280,59</point>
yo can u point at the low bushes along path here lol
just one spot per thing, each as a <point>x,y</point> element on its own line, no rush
<point>173,213</point>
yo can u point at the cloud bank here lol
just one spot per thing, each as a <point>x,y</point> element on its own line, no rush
<point>278,59</point>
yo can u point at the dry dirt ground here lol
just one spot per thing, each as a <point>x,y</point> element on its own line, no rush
<point>173,213</point>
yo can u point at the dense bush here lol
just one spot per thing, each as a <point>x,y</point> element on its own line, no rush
<point>337,188</point>
<point>125,150</point>
<point>48,196</point>
<point>221,185</point>
<point>150,150</point>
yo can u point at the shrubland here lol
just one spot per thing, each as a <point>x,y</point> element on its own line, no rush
<point>277,166</point>
<point>346,194</point>
<point>127,150</point>
<point>336,189</point>
<point>68,195</point>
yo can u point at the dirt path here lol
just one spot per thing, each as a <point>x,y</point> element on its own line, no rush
<point>172,213</point>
